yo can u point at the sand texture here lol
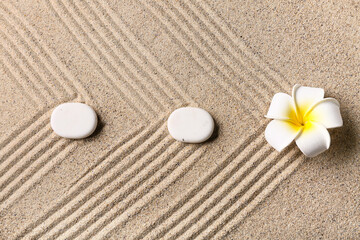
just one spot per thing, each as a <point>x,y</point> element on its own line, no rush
<point>135,62</point>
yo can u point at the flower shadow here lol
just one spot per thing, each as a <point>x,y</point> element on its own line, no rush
<point>343,140</point>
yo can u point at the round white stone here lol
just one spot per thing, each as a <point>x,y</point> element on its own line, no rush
<point>191,125</point>
<point>73,120</point>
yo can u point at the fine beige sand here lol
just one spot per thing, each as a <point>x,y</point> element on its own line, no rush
<point>135,62</point>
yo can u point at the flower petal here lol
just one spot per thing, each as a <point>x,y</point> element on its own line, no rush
<point>280,134</point>
<point>314,139</point>
<point>326,112</point>
<point>305,97</point>
<point>281,107</point>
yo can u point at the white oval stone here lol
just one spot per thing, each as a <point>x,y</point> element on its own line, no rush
<point>73,120</point>
<point>190,124</point>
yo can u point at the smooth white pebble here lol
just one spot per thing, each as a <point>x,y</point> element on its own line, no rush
<point>73,120</point>
<point>190,125</point>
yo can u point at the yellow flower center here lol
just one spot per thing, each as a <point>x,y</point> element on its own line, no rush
<point>300,117</point>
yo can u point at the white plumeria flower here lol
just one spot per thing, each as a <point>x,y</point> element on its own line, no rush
<point>305,117</point>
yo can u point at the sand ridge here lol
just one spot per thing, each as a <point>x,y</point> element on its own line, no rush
<point>135,62</point>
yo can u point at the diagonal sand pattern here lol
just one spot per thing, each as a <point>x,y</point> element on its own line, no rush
<point>111,59</point>
<point>101,169</point>
<point>8,164</point>
<point>56,88</point>
<point>50,58</point>
<point>104,69</point>
<point>33,174</point>
<point>214,189</point>
<point>202,40</point>
<point>28,66</point>
<point>10,75</point>
<point>73,224</point>
<point>23,140</point>
<point>208,66</point>
<point>116,188</point>
<point>112,219</point>
<point>97,201</point>
<point>154,178</point>
<point>17,73</point>
<point>209,185</point>
<point>233,50</point>
<point>155,66</point>
<point>24,132</point>
<point>26,159</point>
<point>136,61</point>
<point>223,31</point>
<point>205,219</point>
<point>242,208</point>
<point>149,87</point>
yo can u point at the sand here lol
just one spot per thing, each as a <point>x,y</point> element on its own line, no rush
<point>135,62</point>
